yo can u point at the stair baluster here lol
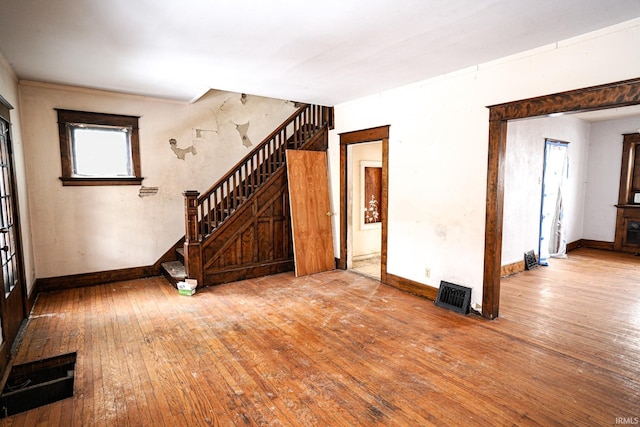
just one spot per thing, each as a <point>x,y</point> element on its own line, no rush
<point>204,213</point>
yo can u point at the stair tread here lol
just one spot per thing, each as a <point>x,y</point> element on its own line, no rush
<point>180,251</point>
<point>175,269</point>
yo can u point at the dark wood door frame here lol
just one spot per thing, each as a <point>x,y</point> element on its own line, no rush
<point>612,95</point>
<point>13,307</point>
<point>358,137</point>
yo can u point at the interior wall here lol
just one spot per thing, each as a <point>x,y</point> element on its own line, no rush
<point>366,239</point>
<point>523,181</point>
<point>603,176</point>
<point>9,91</point>
<point>438,146</point>
<point>89,229</point>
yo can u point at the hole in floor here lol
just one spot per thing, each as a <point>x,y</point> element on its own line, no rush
<point>37,383</point>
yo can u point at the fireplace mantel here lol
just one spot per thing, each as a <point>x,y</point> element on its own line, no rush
<point>627,238</point>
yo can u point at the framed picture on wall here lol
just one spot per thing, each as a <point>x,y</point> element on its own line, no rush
<point>371,193</point>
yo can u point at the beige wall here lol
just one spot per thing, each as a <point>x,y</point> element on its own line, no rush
<point>523,181</point>
<point>89,229</point>
<point>438,146</point>
<point>603,176</point>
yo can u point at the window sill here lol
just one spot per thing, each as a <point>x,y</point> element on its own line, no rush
<point>71,181</point>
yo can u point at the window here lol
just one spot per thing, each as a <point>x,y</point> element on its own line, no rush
<point>98,149</point>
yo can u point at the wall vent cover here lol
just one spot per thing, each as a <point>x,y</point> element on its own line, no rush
<point>530,261</point>
<point>454,297</point>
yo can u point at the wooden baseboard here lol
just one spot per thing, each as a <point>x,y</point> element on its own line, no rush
<point>513,268</point>
<point>31,299</point>
<point>412,287</point>
<point>597,244</point>
<point>572,246</point>
<point>247,272</point>
<point>90,279</point>
<point>5,363</point>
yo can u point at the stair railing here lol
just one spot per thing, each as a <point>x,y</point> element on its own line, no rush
<point>204,213</point>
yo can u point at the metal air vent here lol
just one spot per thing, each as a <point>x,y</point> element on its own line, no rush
<point>530,261</point>
<point>454,297</point>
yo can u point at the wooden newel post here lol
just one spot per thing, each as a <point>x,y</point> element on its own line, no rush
<point>191,216</point>
<point>192,253</point>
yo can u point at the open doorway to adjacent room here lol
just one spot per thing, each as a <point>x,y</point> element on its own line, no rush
<point>364,215</point>
<point>364,180</point>
<point>580,104</point>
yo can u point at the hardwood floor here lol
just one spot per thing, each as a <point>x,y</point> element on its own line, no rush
<point>369,267</point>
<point>340,349</point>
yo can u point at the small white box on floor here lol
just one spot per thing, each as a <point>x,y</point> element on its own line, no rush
<point>189,284</point>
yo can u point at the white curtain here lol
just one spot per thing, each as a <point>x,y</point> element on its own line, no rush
<point>553,241</point>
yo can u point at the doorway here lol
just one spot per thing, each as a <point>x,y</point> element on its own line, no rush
<point>380,136</point>
<point>552,242</point>
<point>364,186</point>
<point>612,95</point>
<point>12,301</point>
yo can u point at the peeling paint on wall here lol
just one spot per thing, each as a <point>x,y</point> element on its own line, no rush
<point>148,191</point>
<point>242,130</point>
<point>181,152</point>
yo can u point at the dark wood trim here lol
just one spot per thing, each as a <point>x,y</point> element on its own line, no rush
<point>494,218</point>
<point>5,109</point>
<point>597,244</point>
<point>415,288</point>
<point>255,241</point>
<point>384,207</point>
<point>71,181</point>
<point>380,133</point>
<point>610,95</point>
<point>98,278</point>
<point>31,299</point>
<point>9,318</point>
<point>5,363</point>
<point>572,246</point>
<point>67,117</point>
<point>342,264</point>
<point>629,144</point>
<point>90,279</point>
<point>366,135</point>
<point>248,272</point>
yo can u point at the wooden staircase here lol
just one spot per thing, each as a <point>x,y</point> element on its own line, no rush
<point>240,227</point>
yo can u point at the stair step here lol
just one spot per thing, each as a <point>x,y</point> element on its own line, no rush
<point>175,269</point>
<point>180,252</point>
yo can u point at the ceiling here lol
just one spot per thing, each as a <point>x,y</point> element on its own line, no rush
<point>609,114</point>
<point>325,52</point>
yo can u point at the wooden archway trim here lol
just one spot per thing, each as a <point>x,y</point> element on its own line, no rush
<point>613,95</point>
